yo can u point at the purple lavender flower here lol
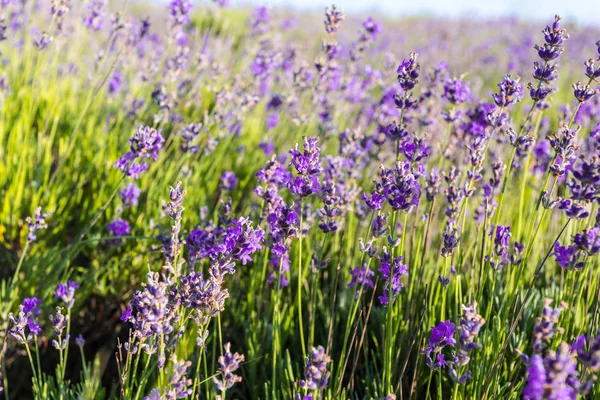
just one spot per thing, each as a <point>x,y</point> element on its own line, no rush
<point>95,14</point>
<point>119,227</point>
<point>469,327</point>
<point>442,335</point>
<point>399,186</point>
<point>362,279</point>
<point>316,376</point>
<point>126,314</point>
<point>583,93</point>
<point>66,292</point>
<point>261,19</point>
<point>510,91</point>
<point>588,241</point>
<point>179,11</point>
<point>545,326</point>
<point>392,271</point>
<point>24,326</point>
<point>554,38</point>
<point>59,323</point>
<point>114,83</point>
<point>153,314</point>
<point>501,246</point>
<point>31,306</point>
<point>372,28</point>
<point>591,357</point>
<point>36,224</point>
<point>553,376</point>
<point>333,19</point>
<point>456,91</point>
<point>179,383</point>
<point>379,226</point>
<point>130,195</point>
<point>145,143</point>
<point>228,181</point>
<point>308,166</point>
<point>272,120</point>
<point>536,379</point>
<point>229,363</point>
<point>408,72</point>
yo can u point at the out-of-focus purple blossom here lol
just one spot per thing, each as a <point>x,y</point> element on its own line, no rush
<point>456,91</point>
<point>228,181</point>
<point>592,69</point>
<point>95,14</point>
<point>36,224</point>
<point>119,227</point>
<point>588,241</point>
<point>333,19</point>
<point>567,257</point>
<point>536,379</point>
<point>179,383</point>
<point>130,195</point>
<point>31,306</point>
<point>261,17</point>
<point>368,34</point>
<point>114,83</point>
<point>591,356</point>
<point>229,363</point>
<point>501,245</point>
<point>272,121</point>
<point>553,376</point>
<point>372,28</point>
<point>179,12</point>
<point>545,325</point>
<point>42,40</point>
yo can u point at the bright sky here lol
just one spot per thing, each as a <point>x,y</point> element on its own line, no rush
<point>585,11</point>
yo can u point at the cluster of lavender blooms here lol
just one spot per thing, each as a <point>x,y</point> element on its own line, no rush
<point>145,143</point>
<point>173,301</point>
<point>442,339</point>
<point>557,372</point>
<point>316,375</point>
<point>584,244</point>
<point>501,254</point>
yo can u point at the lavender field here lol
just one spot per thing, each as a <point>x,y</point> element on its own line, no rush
<point>208,202</point>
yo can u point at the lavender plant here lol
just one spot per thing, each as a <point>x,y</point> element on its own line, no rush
<point>355,219</point>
